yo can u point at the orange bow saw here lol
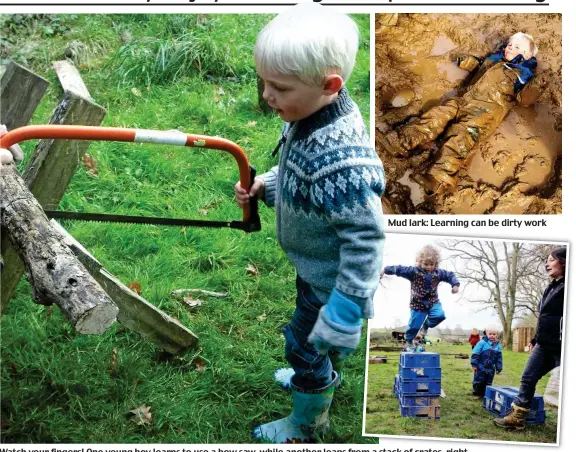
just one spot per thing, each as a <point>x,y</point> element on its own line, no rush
<point>250,219</point>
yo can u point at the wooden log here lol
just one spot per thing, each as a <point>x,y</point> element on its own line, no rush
<point>135,312</point>
<point>48,174</point>
<point>20,93</point>
<point>53,270</point>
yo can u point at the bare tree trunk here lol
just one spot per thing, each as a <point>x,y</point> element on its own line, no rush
<point>54,272</point>
<point>510,272</point>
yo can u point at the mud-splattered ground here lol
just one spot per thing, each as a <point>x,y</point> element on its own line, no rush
<point>518,169</point>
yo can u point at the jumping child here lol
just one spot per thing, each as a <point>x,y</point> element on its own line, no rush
<point>425,308</point>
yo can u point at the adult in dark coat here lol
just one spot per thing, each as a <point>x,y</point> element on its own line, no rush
<point>546,346</point>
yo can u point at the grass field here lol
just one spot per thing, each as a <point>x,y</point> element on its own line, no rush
<point>193,73</point>
<point>460,415</point>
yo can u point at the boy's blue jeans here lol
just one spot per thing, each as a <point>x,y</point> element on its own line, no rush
<point>540,362</point>
<point>435,315</point>
<point>313,370</point>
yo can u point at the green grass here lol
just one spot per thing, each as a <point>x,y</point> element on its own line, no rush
<point>460,415</point>
<point>57,386</point>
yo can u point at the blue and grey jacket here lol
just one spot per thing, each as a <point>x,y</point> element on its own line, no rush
<point>487,356</point>
<point>326,191</point>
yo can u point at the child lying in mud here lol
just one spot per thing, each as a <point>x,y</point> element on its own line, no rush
<point>501,79</point>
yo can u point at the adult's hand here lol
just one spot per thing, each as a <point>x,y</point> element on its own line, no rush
<point>13,153</point>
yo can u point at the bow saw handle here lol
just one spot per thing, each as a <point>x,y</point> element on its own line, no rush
<point>250,216</point>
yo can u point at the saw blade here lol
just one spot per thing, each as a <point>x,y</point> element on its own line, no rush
<point>133,219</point>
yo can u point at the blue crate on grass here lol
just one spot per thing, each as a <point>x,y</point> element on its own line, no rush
<point>428,412</point>
<point>534,416</point>
<point>420,373</point>
<point>424,359</point>
<point>407,400</point>
<point>419,387</point>
<point>504,395</point>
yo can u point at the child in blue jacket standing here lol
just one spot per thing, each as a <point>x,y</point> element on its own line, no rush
<point>425,308</point>
<point>486,360</point>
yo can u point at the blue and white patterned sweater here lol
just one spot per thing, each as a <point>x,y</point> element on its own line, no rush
<point>326,191</point>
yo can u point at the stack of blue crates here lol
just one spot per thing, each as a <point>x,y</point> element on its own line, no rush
<point>418,385</point>
<point>498,400</point>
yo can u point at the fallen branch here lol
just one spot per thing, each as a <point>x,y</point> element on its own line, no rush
<point>202,291</point>
<point>55,274</point>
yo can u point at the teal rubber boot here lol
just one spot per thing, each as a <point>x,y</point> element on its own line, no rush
<point>309,418</point>
<point>283,376</point>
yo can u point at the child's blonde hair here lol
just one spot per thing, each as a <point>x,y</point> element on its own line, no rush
<point>492,329</point>
<point>428,253</point>
<point>529,39</point>
<point>309,41</point>
<point>474,331</point>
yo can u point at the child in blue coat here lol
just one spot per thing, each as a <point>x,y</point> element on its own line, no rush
<point>425,308</point>
<point>486,360</point>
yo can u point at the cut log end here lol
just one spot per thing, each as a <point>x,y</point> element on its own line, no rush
<point>97,320</point>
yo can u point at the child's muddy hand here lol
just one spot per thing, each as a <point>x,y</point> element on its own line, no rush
<point>455,289</point>
<point>474,369</point>
<point>243,197</point>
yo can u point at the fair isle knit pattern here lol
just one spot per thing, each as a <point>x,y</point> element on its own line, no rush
<point>326,190</point>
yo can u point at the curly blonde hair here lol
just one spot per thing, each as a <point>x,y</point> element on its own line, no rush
<point>428,253</point>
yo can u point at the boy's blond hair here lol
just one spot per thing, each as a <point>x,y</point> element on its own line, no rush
<point>492,329</point>
<point>428,253</point>
<point>309,41</point>
<point>529,39</point>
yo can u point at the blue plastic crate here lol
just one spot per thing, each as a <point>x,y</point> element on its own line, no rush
<point>429,412</point>
<point>419,373</point>
<point>424,359</point>
<point>407,400</point>
<point>534,416</point>
<point>419,387</point>
<point>504,395</point>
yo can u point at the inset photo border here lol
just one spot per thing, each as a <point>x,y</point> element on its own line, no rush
<point>468,114</point>
<point>449,305</point>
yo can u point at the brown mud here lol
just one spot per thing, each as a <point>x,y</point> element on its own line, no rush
<point>515,171</point>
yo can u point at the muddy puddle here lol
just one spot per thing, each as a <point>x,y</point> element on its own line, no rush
<point>516,170</point>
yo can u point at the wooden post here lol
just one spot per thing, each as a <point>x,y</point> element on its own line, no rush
<point>70,78</point>
<point>48,174</point>
<point>20,93</point>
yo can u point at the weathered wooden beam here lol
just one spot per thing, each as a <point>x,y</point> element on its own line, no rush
<point>20,93</point>
<point>56,275</point>
<point>70,78</point>
<point>48,174</point>
<point>135,312</point>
